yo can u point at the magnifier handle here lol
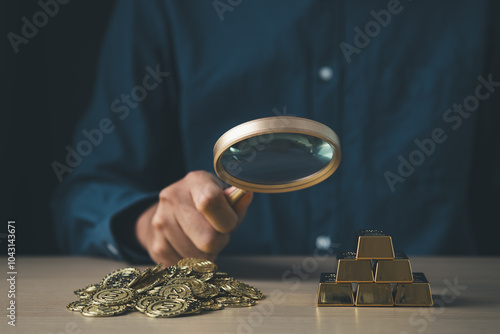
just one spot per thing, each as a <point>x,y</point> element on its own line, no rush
<point>235,195</point>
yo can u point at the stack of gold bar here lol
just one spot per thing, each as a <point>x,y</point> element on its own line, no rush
<point>374,275</point>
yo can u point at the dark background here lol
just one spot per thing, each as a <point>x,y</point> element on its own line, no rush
<point>47,86</point>
<point>45,89</point>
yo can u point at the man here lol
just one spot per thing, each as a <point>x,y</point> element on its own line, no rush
<point>411,88</point>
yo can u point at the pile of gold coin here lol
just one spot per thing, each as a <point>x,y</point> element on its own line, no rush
<point>190,287</point>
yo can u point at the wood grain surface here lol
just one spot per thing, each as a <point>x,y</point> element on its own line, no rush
<point>465,290</point>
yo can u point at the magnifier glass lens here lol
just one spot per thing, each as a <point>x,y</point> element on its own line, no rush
<point>277,158</point>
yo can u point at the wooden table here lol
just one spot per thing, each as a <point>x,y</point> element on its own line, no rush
<point>44,286</point>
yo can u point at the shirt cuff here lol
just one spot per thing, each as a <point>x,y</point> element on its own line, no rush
<point>122,225</point>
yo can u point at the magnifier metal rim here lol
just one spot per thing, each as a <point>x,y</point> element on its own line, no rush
<point>277,124</point>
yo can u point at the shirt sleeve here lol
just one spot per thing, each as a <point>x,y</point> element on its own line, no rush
<point>125,148</point>
<point>484,191</point>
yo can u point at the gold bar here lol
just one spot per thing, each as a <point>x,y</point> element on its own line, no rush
<point>374,294</point>
<point>417,293</point>
<point>374,244</point>
<point>351,270</point>
<point>330,293</point>
<point>394,271</point>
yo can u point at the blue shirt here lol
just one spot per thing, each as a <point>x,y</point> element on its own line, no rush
<point>411,88</point>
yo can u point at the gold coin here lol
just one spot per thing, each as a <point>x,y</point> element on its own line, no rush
<point>222,278</point>
<point>194,306</point>
<point>233,301</point>
<point>204,277</point>
<point>154,291</point>
<point>213,307</point>
<point>144,275</point>
<point>149,282</point>
<point>120,278</point>
<point>207,302</point>
<point>210,305</point>
<point>91,288</point>
<point>175,291</point>
<point>201,266</point>
<point>157,268</point>
<point>131,307</point>
<point>78,305</point>
<point>195,284</point>
<point>167,308</point>
<point>133,281</point>
<point>183,272</point>
<point>216,307</point>
<point>113,296</point>
<point>238,288</point>
<point>103,311</point>
<point>170,271</point>
<point>143,302</point>
<point>211,290</point>
<point>82,294</point>
<point>87,291</point>
<point>221,274</point>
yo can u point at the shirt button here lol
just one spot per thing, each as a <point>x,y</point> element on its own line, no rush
<point>323,242</point>
<point>325,73</point>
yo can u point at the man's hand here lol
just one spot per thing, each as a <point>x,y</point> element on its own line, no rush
<point>191,219</point>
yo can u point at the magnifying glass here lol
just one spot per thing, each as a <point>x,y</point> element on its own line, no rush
<point>276,154</point>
